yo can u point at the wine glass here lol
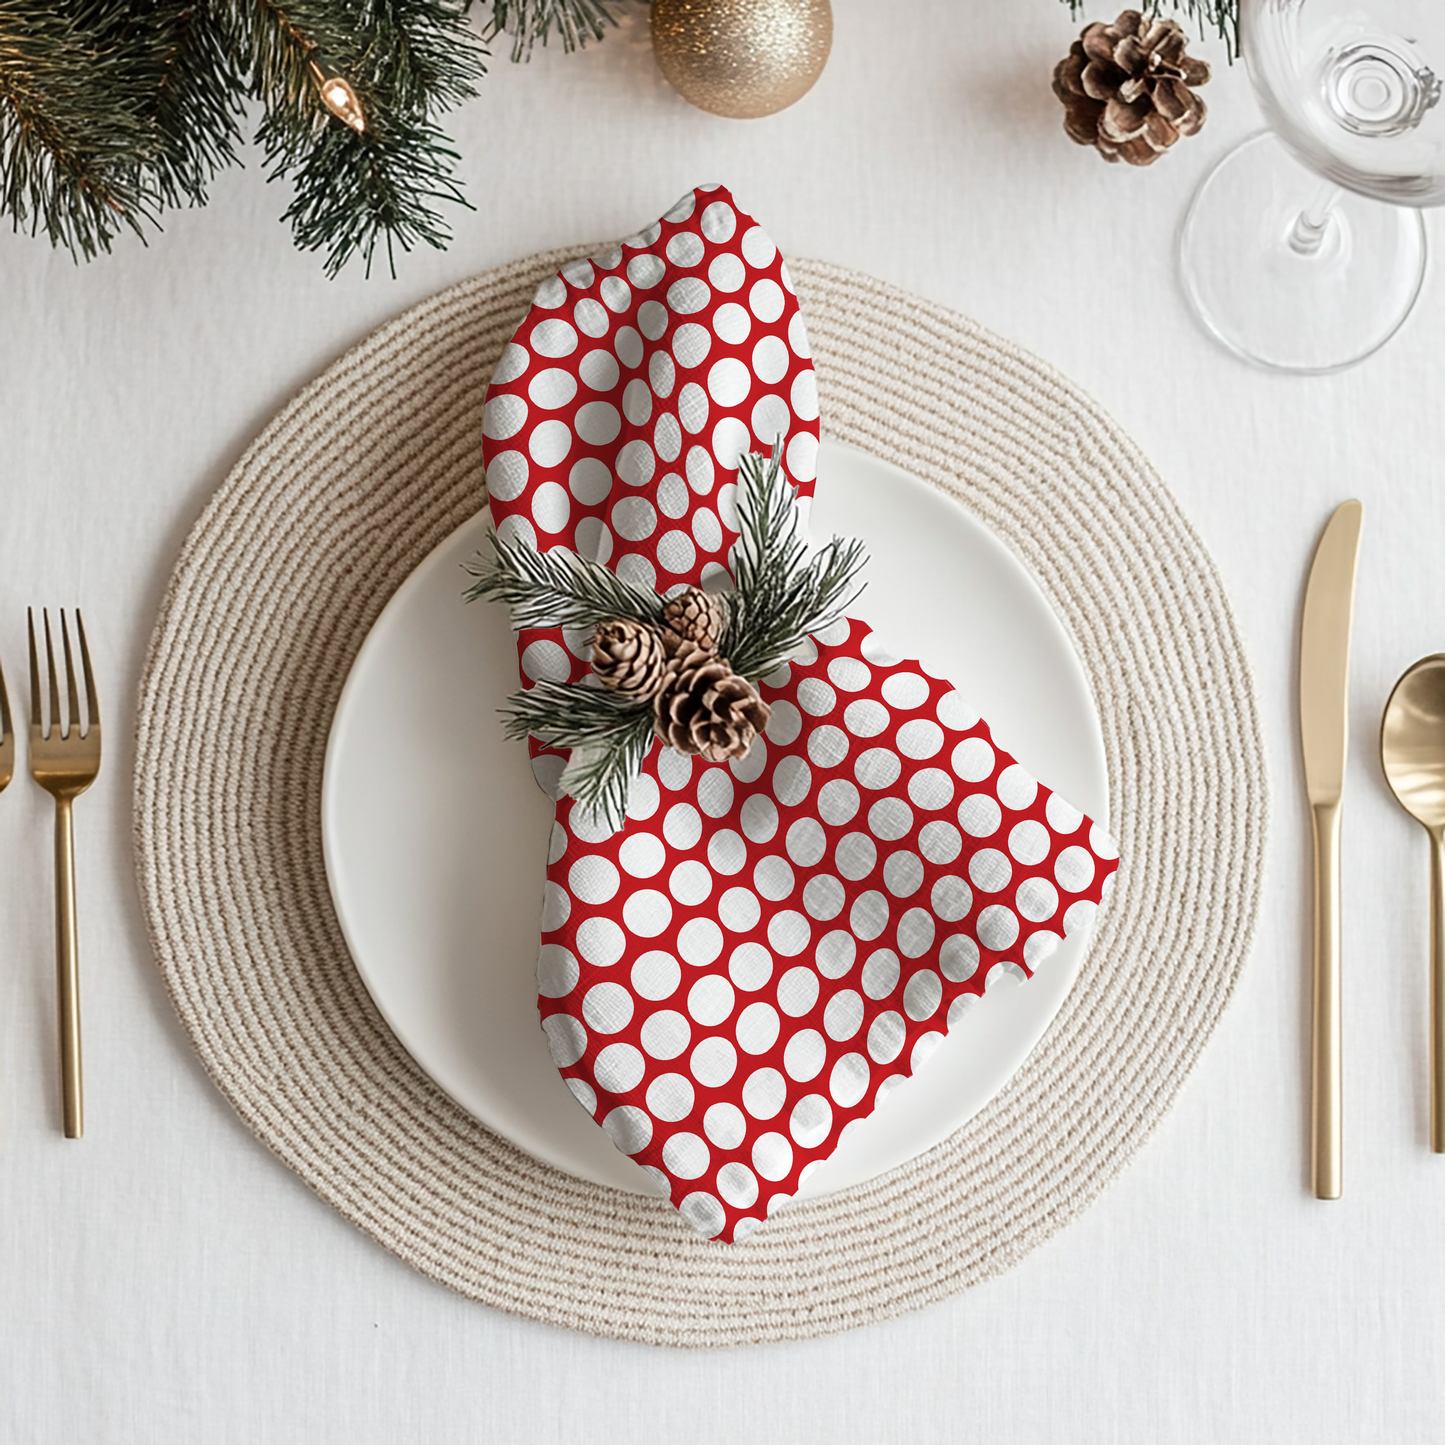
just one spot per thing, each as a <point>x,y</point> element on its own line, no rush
<point>1305,269</point>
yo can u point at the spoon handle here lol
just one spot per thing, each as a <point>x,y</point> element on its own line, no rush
<point>1437,990</point>
<point>1326,1124</point>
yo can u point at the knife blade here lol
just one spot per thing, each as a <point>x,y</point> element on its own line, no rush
<point>1324,676</point>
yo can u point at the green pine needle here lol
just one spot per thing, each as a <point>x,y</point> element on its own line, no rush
<point>530,21</point>
<point>1221,16</point>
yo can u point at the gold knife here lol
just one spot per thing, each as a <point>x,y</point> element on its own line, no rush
<point>1324,676</point>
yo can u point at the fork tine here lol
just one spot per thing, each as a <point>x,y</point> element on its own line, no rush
<point>73,721</point>
<point>36,721</point>
<point>55,722</point>
<point>92,702</point>
<point>6,730</point>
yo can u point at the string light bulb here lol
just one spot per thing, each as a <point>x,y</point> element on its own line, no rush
<point>337,95</point>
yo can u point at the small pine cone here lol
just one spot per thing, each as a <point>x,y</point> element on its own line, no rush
<point>629,657</point>
<point>706,708</point>
<point>1126,88</point>
<point>696,616</point>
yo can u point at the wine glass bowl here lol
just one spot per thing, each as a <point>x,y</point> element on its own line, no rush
<point>1304,270</point>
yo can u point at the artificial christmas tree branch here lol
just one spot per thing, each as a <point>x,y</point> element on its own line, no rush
<point>1221,16</point>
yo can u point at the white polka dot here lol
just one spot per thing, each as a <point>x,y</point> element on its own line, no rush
<point>642,800</point>
<point>725,1125</point>
<point>647,913</point>
<point>556,906</point>
<point>798,336</point>
<point>931,788</point>
<point>566,1039</point>
<point>865,718</point>
<point>729,441</point>
<point>876,650</point>
<point>676,553</point>
<point>545,660</point>
<point>687,295</point>
<point>1004,973</point>
<point>803,398</point>
<point>922,994</point>
<point>607,1008</point>
<point>583,1092</point>
<point>823,897</point>
<point>726,852</point>
<point>877,768</point>
<point>885,1037</point>
<point>1029,842</point>
<point>759,818</point>
<point>550,442</point>
<point>699,941</point>
<point>670,1097</point>
<point>642,855</point>
<point>671,496</point>
<point>517,530</point>
<point>811,1120</point>
<point>732,324</point>
<point>789,932</point>
<point>757,1028</point>
<point>727,272</point>
<point>713,1062</point>
<point>685,248</point>
<point>835,953</point>
<point>594,538</point>
<point>772,1155</point>
<point>792,781</point>
<point>924,1049</point>
<point>645,271</point>
<point>703,1213</point>
<point>588,827</point>
<point>979,815</point>
<point>600,941</point>
<point>513,361</point>
<point>503,416</point>
<point>1039,946</point>
<point>849,674</point>
<point>556,843</point>
<point>637,402</point>
<point>1073,868</point>
<point>806,842</point>
<point>656,975</point>
<point>665,1034</point>
<point>1102,843</point>
<point>737,1184</point>
<point>827,745</point>
<point>686,1156</point>
<point>616,293</point>
<point>764,1093</point>
<point>939,842</point>
<point>915,933</point>
<point>905,689</point>
<point>636,463</point>
<point>557,971</point>
<point>849,1080</point>
<point>963,1004</point>
<point>550,294</point>
<point>682,827</point>
<point>750,967</point>
<point>855,856</point>
<point>1037,899</point>
<point>739,910</point>
<point>869,915</point>
<point>608,260</point>
<point>954,713</point>
<point>590,481</point>
<point>593,879</point>
<point>1079,915</point>
<point>591,317</point>
<point>920,738</point>
<point>773,879</point>
<point>973,760</point>
<point>990,870</point>
<point>770,360</point>
<point>653,319</point>
<point>552,389</point>
<point>750,767</point>
<point>1062,815</point>
<point>758,252</point>
<point>765,300</point>
<point>507,477</point>
<point>690,345</point>
<point>890,819</point>
<point>597,422</point>
<point>719,222</point>
<point>690,883</point>
<point>674,769</point>
<point>958,958</point>
<point>843,1016</point>
<point>880,973</point>
<point>797,992</point>
<point>634,518</point>
<point>785,723</point>
<point>1015,787</point>
<point>815,697</point>
<point>770,419</point>
<point>618,1068</point>
<point>805,1055</point>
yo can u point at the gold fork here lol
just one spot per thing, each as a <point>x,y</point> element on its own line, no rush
<point>65,761</point>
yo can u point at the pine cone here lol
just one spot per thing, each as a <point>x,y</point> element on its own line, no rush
<point>696,616</point>
<point>629,657</point>
<point>706,708</point>
<point>1125,88</point>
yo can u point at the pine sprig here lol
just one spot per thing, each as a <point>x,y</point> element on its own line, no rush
<point>600,778</point>
<point>531,21</point>
<point>779,601</point>
<point>1222,16</point>
<point>560,588</point>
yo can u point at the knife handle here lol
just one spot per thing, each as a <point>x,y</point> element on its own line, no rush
<point>1327,1155</point>
<point>1437,990</point>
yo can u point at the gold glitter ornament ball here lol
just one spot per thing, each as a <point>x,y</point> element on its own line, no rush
<point>742,58</point>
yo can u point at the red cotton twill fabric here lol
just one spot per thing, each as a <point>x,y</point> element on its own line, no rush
<point>766,948</point>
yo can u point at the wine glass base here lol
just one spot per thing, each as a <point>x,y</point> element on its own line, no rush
<point>1293,299</point>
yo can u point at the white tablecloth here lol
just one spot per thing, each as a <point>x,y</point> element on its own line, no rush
<point>167,1280</point>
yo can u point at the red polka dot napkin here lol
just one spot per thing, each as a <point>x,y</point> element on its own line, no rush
<point>767,947</point>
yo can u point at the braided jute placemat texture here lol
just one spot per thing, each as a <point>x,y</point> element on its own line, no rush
<point>329,511</point>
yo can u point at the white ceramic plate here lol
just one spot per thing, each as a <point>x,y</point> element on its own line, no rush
<point>436,834</point>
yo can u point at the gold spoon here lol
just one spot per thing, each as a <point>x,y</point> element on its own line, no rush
<point>1412,750</point>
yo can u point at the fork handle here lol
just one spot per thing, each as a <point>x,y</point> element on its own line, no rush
<point>67,971</point>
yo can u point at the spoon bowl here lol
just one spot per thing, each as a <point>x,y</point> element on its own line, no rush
<point>1412,753</point>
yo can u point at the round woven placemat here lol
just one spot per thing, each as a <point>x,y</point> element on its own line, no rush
<point>327,513</point>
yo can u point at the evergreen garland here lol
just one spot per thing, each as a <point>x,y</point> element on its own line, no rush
<point>113,111</point>
<point>1222,16</point>
<point>780,597</point>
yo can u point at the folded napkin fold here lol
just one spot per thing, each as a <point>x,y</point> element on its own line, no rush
<point>767,947</point>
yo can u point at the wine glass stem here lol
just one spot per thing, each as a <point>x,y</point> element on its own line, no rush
<point>1312,224</point>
